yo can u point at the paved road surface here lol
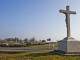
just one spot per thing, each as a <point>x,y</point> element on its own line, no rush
<point>22,49</point>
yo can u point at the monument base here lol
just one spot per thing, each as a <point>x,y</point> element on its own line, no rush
<point>69,45</point>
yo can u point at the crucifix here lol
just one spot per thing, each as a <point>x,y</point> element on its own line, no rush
<point>67,13</point>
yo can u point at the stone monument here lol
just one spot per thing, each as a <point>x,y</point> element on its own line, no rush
<point>68,44</point>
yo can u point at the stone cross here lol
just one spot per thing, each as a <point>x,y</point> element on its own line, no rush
<point>67,13</point>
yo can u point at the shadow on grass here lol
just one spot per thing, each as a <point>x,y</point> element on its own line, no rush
<point>55,52</point>
<point>47,53</point>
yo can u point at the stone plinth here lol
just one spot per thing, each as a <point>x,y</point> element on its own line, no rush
<point>69,45</point>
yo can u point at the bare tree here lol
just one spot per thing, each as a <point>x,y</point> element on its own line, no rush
<point>26,40</point>
<point>43,41</point>
<point>32,40</point>
<point>49,39</point>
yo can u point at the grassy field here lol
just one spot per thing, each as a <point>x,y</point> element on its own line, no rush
<point>43,46</point>
<point>37,55</point>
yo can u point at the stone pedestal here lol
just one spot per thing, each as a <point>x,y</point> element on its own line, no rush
<point>69,45</point>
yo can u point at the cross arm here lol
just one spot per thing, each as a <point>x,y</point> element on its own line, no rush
<point>67,12</point>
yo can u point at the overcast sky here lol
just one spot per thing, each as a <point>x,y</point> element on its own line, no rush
<point>37,18</point>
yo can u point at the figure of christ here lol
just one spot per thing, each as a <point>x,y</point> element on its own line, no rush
<point>67,13</point>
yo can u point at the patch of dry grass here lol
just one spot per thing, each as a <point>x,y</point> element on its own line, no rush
<point>37,55</point>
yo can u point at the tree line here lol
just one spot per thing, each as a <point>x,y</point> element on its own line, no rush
<point>21,42</point>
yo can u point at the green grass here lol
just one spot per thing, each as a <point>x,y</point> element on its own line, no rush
<point>43,46</point>
<point>37,55</point>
